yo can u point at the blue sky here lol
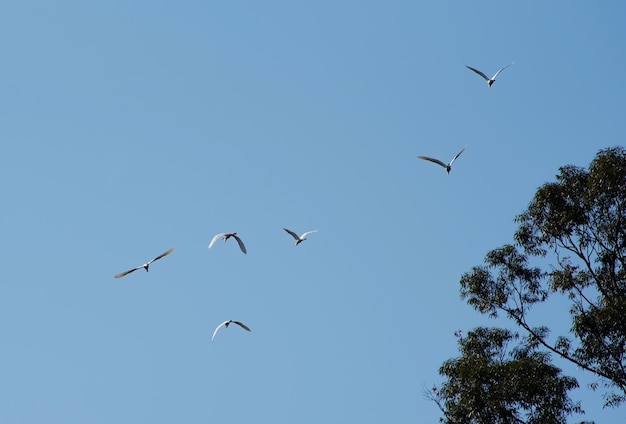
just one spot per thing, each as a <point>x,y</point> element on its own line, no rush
<point>131,127</point>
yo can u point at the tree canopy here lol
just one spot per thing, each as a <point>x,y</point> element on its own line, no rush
<point>577,226</point>
<point>491,383</point>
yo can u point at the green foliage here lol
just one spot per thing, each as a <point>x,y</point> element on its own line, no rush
<point>576,225</point>
<point>582,219</point>
<point>491,384</point>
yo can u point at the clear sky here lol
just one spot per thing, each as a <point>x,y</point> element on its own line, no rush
<point>129,127</point>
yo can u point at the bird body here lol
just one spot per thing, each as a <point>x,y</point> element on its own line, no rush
<point>447,166</point>
<point>226,324</point>
<point>299,239</point>
<point>491,80</point>
<point>226,236</point>
<point>144,266</point>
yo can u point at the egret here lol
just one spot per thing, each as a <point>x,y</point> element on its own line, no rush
<point>301,238</point>
<point>493,78</point>
<point>226,236</point>
<point>447,167</point>
<point>226,324</point>
<point>144,266</point>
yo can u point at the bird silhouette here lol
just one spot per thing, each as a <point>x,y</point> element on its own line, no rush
<point>226,324</point>
<point>301,238</point>
<point>226,236</point>
<point>447,167</point>
<point>493,78</point>
<point>144,266</point>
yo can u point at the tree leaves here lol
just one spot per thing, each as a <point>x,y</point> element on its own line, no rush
<point>491,383</point>
<point>514,289</point>
<point>575,229</point>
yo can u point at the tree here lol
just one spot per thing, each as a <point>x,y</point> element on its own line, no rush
<point>491,384</point>
<point>577,226</point>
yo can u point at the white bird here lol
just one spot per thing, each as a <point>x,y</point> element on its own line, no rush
<point>226,324</point>
<point>448,167</point>
<point>144,266</point>
<point>301,238</point>
<point>493,78</point>
<point>226,236</point>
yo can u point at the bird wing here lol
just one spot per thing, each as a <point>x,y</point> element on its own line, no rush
<point>479,73</point>
<point>127,272</point>
<point>241,245</point>
<point>433,160</point>
<point>217,328</point>
<point>215,238</point>
<point>307,233</point>
<point>294,235</point>
<point>500,70</point>
<point>242,325</point>
<point>161,255</point>
<point>457,155</point>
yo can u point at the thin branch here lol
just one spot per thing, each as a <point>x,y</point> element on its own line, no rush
<point>524,325</point>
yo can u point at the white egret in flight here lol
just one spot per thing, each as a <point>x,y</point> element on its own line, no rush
<point>301,238</point>
<point>447,167</point>
<point>493,78</point>
<point>144,266</point>
<point>226,236</point>
<point>226,324</point>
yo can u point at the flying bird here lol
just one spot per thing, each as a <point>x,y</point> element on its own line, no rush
<point>301,238</point>
<point>493,78</point>
<point>144,266</point>
<point>226,236</point>
<point>448,167</point>
<point>226,324</point>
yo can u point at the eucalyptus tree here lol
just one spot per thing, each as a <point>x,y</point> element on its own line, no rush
<point>491,383</point>
<point>570,244</point>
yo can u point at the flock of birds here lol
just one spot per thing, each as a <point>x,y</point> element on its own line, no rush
<point>490,81</point>
<point>299,239</point>
<point>224,236</point>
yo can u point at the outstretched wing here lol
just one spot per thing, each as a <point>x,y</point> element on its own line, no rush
<point>241,245</point>
<point>127,272</point>
<point>217,328</point>
<point>215,238</point>
<point>480,73</point>
<point>500,70</point>
<point>294,235</point>
<point>457,155</point>
<point>307,233</point>
<point>161,255</point>
<point>242,325</point>
<point>433,160</point>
